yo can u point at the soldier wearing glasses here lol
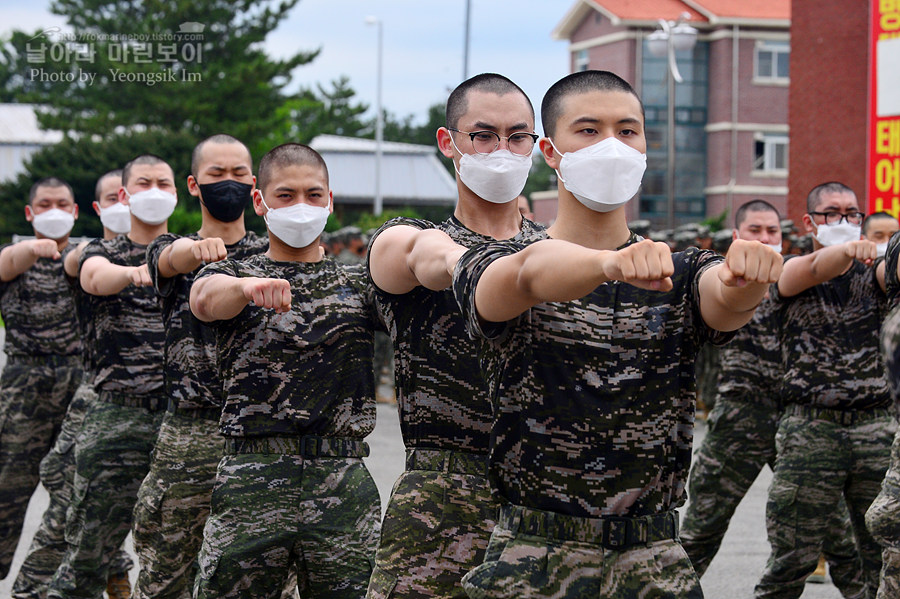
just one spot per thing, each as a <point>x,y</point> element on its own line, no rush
<point>441,512</point>
<point>835,435</point>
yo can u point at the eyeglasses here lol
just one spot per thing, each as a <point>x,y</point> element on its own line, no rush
<point>485,142</point>
<point>833,218</point>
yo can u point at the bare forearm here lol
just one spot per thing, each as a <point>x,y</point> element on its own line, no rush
<point>727,308</point>
<point>546,271</point>
<point>177,258</point>
<point>101,277</point>
<point>431,259</point>
<point>16,259</point>
<point>219,297</point>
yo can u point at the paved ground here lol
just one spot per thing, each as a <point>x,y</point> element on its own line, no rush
<point>732,574</point>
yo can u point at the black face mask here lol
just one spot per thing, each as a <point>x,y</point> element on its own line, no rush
<point>226,199</point>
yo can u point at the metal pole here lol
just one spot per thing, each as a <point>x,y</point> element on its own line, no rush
<point>466,43</point>
<point>379,131</point>
<point>670,138</point>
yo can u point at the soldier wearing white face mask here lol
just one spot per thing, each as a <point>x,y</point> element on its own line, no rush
<point>112,450</point>
<point>445,411</point>
<point>834,438</point>
<point>43,351</point>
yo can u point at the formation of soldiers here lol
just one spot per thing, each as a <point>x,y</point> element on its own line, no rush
<point>211,393</point>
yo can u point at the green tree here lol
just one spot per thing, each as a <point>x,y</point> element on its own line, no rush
<point>184,65</point>
<point>80,162</point>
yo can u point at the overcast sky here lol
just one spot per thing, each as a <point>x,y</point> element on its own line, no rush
<point>423,44</point>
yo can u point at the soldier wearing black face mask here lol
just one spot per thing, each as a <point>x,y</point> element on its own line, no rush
<point>173,501</point>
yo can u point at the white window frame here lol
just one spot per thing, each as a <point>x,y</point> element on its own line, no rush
<point>582,60</point>
<point>775,49</point>
<point>767,163</point>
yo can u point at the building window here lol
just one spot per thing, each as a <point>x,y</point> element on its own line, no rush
<point>771,153</point>
<point>771,61</point>
<point>581,61</point>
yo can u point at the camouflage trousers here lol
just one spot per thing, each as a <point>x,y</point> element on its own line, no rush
<point>740,441</point>
<point>276,505</point>
<point>57,473</point>
<point>536,554</point>
<point>822,456</point>
<point>883,521</point>
<point>436,527</point>
<point>34,395</point>
<point>112,457</point>
<point>173,504</point>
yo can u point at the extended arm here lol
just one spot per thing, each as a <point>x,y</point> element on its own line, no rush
<point>99,276</point>
<point>730,292</point>
<point>402,258</point>
<point>556,271</point>
<point>185,255</point>
<point>823,265</point>
<point>222,297</point>
<point>70,264</point>
<point>17,258</point>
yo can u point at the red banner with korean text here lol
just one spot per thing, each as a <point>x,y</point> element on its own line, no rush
<point>884,108</point>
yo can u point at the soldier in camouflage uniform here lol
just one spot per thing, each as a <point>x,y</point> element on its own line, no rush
<point>112,450</point>
<point>589,344</point>
<point>441,512</point>
<point>294,351</point>
<point>43,350</point>
<point>883,516</point>
<point>741,438</point>
<point>834,438</point>
<point>58,466</point>
<point>173,501</point>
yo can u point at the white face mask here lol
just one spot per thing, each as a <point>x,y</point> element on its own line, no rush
<point>116,218</point>
<point>498,177</point>
<point>774,246</point>
<point>152,206</point>
<point>298,225</point>
<point>842,232</point>
<point>881,248</point>
<point>54,223</point>
<point>603,176</point>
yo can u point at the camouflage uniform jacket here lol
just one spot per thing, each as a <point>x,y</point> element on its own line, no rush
<point>829,343</point>
<point>594,398</point>
<point>442,394</point>
<point>751,362</point>
<point>304,372</point>
<point>38,311</point>
<point>190,361</point>
<point>128,329</point>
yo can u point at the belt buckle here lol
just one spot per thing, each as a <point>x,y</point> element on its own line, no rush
<point>308,447</point>
<point>647,523</point>
<point>613,530</point>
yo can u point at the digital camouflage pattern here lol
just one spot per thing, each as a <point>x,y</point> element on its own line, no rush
<point>741,436</point>
<point>173,504</point>
<point>304,372</point>
<point>520,563</point>
<point>819,460</point>
<point>436,527</point>
<point>834,324</point>
<point>441,391</point>
<point>37,311</point>
<point>128,329</point>
<point>443,405</point>
<point>190,346</point>
<point>883,516</point>
<point>41,375</point>
<point>594,398</point>
<point>57,473</point>
<point>112,456</point>
<point>173,501</point>
<point>272,512</point>
<point>297,384</point>
<point>33,401</point>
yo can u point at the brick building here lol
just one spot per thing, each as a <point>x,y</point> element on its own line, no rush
<point>731,110</point>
